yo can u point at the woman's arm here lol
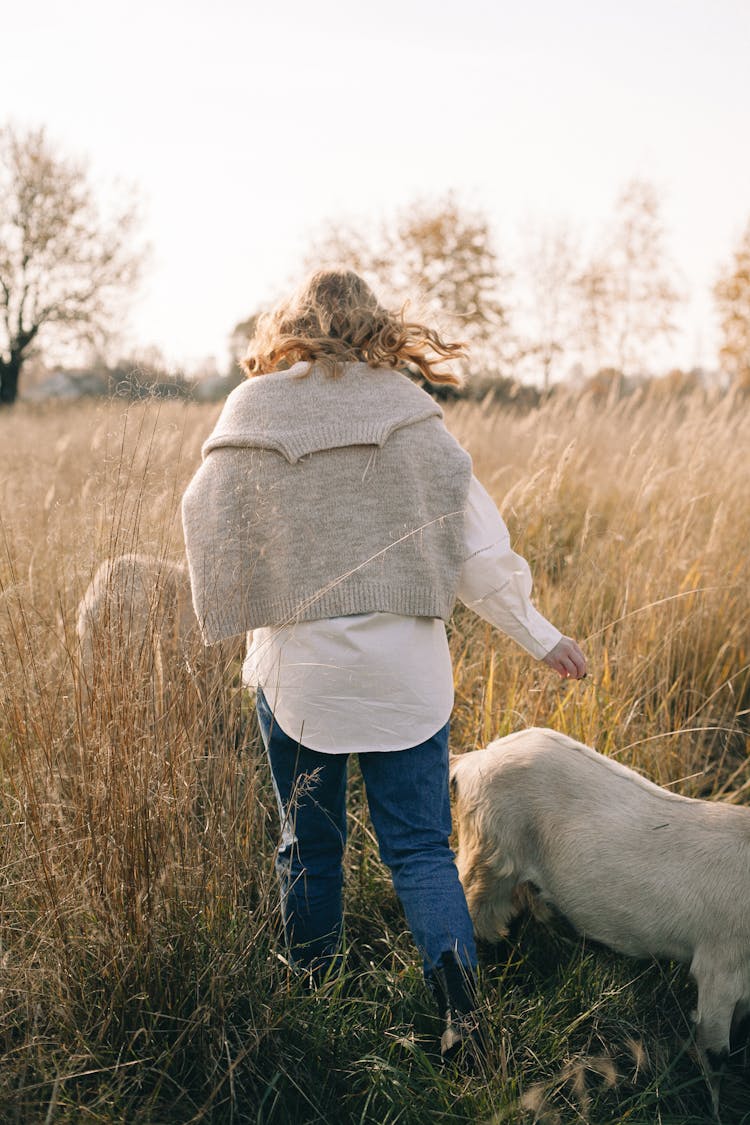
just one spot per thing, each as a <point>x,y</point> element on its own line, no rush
<point>496,583</point>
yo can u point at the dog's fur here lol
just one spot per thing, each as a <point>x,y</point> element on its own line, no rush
<point>643,870</point>
<point>137,610</point>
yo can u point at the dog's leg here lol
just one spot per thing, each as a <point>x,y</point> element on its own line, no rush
<point>741,1031</point>
<point>719,992</point>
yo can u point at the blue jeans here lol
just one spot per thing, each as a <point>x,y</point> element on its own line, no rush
<point>407,793</point>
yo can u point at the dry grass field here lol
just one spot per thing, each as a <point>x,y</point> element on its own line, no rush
<point>140,974</point>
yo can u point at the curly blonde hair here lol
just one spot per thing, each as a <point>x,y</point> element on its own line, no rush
<point>334,318</point>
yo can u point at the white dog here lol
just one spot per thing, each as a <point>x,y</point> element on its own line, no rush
<point>643,870</point>
<point>137,608</point>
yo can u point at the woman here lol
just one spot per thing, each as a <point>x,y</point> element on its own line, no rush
<point>335,517</point>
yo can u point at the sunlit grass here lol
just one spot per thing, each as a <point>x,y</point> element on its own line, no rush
<point>139,964</point>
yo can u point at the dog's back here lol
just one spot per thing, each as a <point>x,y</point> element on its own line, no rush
<point>641,869</point>
<point>135,607</point>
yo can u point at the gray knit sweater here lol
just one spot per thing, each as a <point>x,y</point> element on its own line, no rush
<point>321,497</point>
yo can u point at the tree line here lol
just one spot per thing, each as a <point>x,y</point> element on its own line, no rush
<point>66,268</point>
<point>606,308</point>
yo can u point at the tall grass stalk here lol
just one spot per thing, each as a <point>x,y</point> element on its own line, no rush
<point>141,975</point>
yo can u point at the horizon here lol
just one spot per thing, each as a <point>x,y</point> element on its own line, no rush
<point>247,130</point>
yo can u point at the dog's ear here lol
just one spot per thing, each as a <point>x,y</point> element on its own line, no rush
<point>453,761</point>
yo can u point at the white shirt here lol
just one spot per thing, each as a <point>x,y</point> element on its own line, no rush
<point>381,682</point>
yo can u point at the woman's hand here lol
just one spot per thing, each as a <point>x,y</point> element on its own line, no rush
<point>567,659</point>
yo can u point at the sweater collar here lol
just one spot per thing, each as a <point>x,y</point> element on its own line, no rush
<point>296,413</point>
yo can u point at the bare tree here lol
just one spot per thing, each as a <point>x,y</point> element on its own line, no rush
<point>594,289</point>
<point>551,266</point>
<point>627,295</point>
<point>63,267</point>
<point>239,337</point>
<point>440,258</point>
<point>732,296</point>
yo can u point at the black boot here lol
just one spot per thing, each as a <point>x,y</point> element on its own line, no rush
<point>454,988</point>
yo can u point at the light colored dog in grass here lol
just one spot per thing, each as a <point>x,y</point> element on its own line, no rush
<point>645,871</point>
<point>136,612</point>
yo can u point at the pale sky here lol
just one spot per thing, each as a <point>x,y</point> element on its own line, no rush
<point>247,126</point>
